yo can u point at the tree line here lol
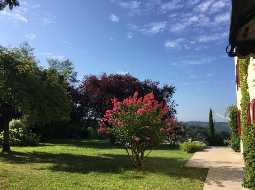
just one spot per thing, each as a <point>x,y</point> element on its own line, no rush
<point>53,103</point>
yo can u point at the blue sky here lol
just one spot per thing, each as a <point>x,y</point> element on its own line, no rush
<point>179,42</point>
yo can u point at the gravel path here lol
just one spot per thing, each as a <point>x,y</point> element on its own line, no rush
<point>225,168</point>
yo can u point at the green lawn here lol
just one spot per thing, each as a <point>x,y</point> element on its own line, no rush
<point>64,165</point>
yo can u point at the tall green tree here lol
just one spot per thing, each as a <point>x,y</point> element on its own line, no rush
<point>16,67</point>
<point>232,113</point>
<point>9,3</point>
<point>65,68</point>
<point>40,95</point>
<point>211,131</point>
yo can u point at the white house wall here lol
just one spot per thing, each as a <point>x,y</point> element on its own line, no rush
<point>251,85</point>
<point>251,78</point>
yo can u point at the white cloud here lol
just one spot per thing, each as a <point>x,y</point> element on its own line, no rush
<point>210,7</point>
<point>181,44</point>
<point>20,17</point>
<point>194,2</point>
<point>130,4</point>
<point>195,43</point>
<point>134,7</point>
<point>130,35</point>
<point>151,28</point>
<point>212,37</point>
<point>219,5</point>
<point>156,27</point>
<point>137,7</point>
<point>222,18</point>
<point>20,13</point>
<point>178,43</point>
<point>193,23</point>
<point>178,27</point>
<point>15,16</point>
<point>204,6</point>
<point>48,20</point>
<point>171,5</point>
<point>170,44</point>
<point>188,21</point>
<point>49,55</point>
<point>114,18</point>
<point>30,36</point>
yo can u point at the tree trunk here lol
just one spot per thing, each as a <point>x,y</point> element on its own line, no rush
<point>139,161</point>
<point>6,140</point>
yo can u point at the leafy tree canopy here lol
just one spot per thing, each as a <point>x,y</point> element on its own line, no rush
<point>9,3</point>
<point>97,92</point>
<point>64,68</point>
<point>40,95</point>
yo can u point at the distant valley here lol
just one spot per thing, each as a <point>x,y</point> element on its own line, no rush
<point>219,126</point>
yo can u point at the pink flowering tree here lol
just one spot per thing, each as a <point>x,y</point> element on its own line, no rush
<point>138,124</point>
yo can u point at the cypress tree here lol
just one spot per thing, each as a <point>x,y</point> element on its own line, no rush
<point>211,131</point>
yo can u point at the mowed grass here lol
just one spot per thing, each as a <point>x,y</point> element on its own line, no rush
<point>94,165</point>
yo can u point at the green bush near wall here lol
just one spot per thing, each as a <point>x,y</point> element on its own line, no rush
<point>248,132</point>
<point>249,171</point>
<point>234,137</point>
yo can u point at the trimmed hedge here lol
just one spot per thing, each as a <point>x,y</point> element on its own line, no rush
<point>192,146</point>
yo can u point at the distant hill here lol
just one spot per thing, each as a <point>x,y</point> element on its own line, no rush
<point>219,126</point>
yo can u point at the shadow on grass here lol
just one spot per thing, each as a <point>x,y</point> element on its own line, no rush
<point>105,163</point>
<point>95,143</point>
<point>91,143</point>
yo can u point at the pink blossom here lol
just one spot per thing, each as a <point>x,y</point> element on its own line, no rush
<point>148,97</point>
<point>139,101</point>
<point>102,130</point>
<point>135,95</point>
<point>140,111</point>
<point>162,130</point>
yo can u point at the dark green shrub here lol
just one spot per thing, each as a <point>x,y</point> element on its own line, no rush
<point>249,157</point>
<point>20,136</point>
<point>31,139</point>
<point>16,124</point>
<point>235,143</point>
<point>92,132</point>
<point>234,137</point>
<point>192,146</point>
<point>220,138</point>
<point>61,130</point>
